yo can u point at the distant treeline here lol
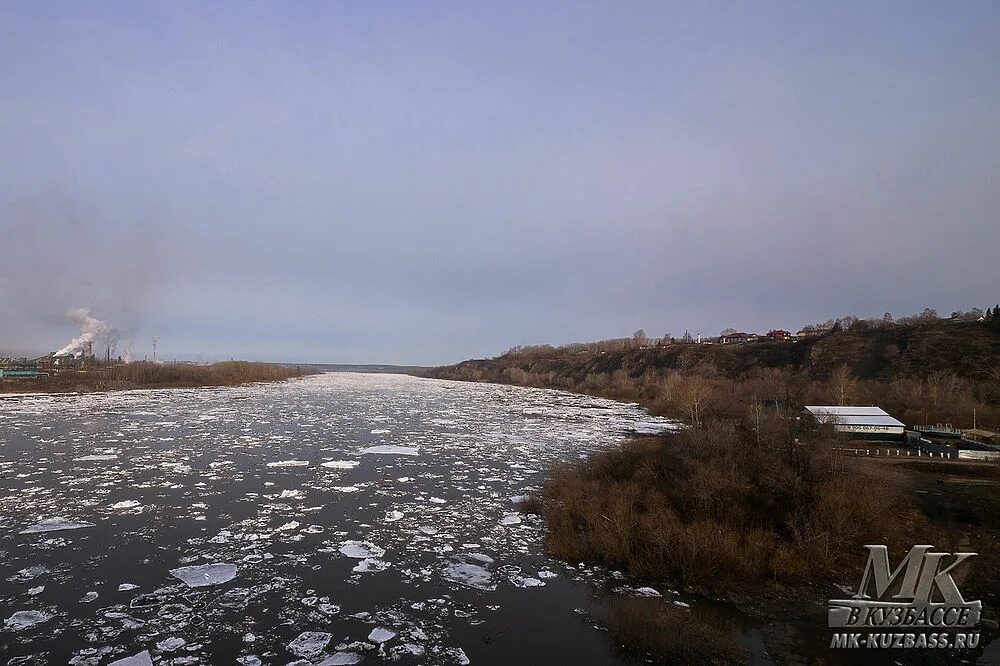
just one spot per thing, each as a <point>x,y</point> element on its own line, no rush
<point>639,339</point>
<point>926,371</point>
<point>146,374</point>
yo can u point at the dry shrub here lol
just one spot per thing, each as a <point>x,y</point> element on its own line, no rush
<point>672,636</point>
<point>227,373</point>
<point>711,506</point>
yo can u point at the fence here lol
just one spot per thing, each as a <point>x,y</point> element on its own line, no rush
<point>904,453</point>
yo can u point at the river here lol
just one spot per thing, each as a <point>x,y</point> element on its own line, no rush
<point>340,518</point>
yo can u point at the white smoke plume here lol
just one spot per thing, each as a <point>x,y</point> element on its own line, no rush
<point>91,330</point>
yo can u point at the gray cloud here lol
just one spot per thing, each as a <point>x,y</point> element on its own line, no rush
<point>394,184</point>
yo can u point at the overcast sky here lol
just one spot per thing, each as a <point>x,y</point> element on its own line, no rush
<point>422,182</point>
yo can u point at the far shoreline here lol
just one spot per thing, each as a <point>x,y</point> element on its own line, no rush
<point>147,375</point>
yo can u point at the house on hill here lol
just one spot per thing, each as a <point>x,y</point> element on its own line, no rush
<point>779,334</point>
<point>738,337</point>
<point>863,423</point>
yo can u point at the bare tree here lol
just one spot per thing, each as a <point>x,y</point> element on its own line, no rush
<point>640,339</point>
<point>694,395</point>
<point>843,385</point>
<point>991,367</point>
<point>755,413</point>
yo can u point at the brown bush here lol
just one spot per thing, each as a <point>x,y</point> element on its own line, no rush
<point>227,373</point>
<point>710,506</point>
<point>672,636</point>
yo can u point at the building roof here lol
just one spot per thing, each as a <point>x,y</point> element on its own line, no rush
<point>838,410</point>
<point>866,420</point>
<point>851,415</point>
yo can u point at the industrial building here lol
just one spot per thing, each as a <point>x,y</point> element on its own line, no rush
<point>19,368</point>
<point>864,423</point>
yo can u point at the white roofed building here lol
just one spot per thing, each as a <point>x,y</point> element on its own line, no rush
<point>866,423</point>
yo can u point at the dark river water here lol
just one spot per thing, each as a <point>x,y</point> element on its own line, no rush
<point>342,518</point>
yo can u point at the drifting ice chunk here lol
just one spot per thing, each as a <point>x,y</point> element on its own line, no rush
<point>341,659</point>
<point>203,575</point>
<point>390,449</point>
<point>171,644</point>
<point>28,573</point>
<point>381,635</point>
<point>26,619</point>
<point>361,550</point>
<point>393,516</point>
<point>89,598</point>
<point>511,519</point>
<point>127,504</point>
<point>35,591</point>
<point>125,587</point>
<point>289,463</point>
<point>457,655</point>
<point>468,570</point>
<point>370,564</point>
<point>96,458</point>
<point>56,525</point>
<point>141,659</point>
<point>309,643</point>
<point>340,464</point>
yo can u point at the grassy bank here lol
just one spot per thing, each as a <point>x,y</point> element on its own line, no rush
<point>154,375</point>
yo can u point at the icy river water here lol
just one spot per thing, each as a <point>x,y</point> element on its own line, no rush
<point>342,518</point>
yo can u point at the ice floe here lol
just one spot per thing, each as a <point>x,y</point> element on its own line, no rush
<point>340,464</point>
<point>361,549</point>
<point>381,635</point>
<point>25,619</point>
<point>141,659</point>
<point>342,659</point>
<point>309,643</point>
<point>289,463</point>
<point>391,449</point>
<point>204,575</point>
<point>171,644</point>
<point>56,525</point>
<point>470,570</point>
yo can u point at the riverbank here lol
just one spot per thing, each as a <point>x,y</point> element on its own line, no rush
<point>773,532</point>
<point>146,375</point>
<point>745,508</point>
